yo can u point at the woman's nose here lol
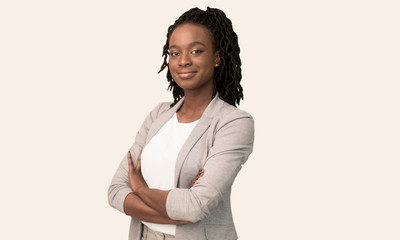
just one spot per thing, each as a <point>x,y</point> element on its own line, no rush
<point>184,60</point>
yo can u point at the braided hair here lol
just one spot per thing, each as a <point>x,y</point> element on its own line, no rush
<point>229,73</point>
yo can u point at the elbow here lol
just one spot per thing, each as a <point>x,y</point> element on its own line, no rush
<point>193,214</point>
<point>117,195</point>
<point>197,214</point>
<point>111,196</point>
<point>184,204</point>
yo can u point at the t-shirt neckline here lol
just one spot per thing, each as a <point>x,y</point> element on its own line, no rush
<point>186,124</point>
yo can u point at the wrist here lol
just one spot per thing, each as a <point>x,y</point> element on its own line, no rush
<point>140,190</point>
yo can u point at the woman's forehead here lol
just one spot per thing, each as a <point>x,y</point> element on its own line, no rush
<point>190,34</point>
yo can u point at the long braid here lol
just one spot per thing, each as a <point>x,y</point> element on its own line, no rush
<point>228,74</point>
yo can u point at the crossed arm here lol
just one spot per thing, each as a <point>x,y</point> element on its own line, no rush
<point>129,193</point>
<point>145,203</point>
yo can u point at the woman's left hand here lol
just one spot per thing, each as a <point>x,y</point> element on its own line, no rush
<point>136,180</point>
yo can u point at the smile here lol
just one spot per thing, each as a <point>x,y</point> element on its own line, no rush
<point>186,75</point>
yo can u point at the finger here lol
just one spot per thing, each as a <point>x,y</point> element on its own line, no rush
<point>130,162</point>
<point>201,172</point>
<point>194,182</point>
<point>138,162</point>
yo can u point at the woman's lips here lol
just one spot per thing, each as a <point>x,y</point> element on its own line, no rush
<point>187,75</point>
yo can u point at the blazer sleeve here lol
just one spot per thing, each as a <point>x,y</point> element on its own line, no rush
<point>232,146</point>
<point>119,187</point>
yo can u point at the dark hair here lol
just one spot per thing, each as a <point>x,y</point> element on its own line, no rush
<point>228,74</point>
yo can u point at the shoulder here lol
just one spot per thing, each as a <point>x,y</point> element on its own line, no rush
<point>233,127</point>
<point>232,111</point>
<point>155,113</point>
<point>230,115</point>
<point>160,109</point>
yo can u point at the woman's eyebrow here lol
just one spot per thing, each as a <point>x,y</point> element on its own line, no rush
<point>196,43</point>
<point>190,45</point>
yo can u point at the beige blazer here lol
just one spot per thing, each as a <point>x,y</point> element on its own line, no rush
<point>220,143</point>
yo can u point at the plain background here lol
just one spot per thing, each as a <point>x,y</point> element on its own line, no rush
<point>321,79</point>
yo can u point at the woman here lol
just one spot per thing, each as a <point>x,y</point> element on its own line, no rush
<point>175,181</point>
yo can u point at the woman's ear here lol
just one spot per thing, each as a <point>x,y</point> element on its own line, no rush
<point>217,59</point>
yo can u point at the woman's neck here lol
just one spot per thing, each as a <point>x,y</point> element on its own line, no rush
<point>193,107</point>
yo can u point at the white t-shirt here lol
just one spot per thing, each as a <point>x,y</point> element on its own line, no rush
<point>159,158</point>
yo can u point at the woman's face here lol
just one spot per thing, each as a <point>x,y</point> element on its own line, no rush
<point>192,58</point>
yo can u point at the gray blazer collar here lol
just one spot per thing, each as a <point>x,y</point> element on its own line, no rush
<point>196,133</point>
<point>208,114</point>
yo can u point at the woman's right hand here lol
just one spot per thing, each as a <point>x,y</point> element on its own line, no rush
<point>136,180</point>
<point>199,175</point>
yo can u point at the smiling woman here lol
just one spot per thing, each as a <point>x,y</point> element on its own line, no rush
<point>176,179</point>
<point>192,59</point>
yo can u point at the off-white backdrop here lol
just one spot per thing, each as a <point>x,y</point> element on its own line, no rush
<point>321,79</point>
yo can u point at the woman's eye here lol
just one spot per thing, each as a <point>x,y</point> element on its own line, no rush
<point>174,54</point>
<point>196,51</point>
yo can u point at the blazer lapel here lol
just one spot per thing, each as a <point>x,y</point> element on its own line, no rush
<point>197,132</point>
<point>162,119</point>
